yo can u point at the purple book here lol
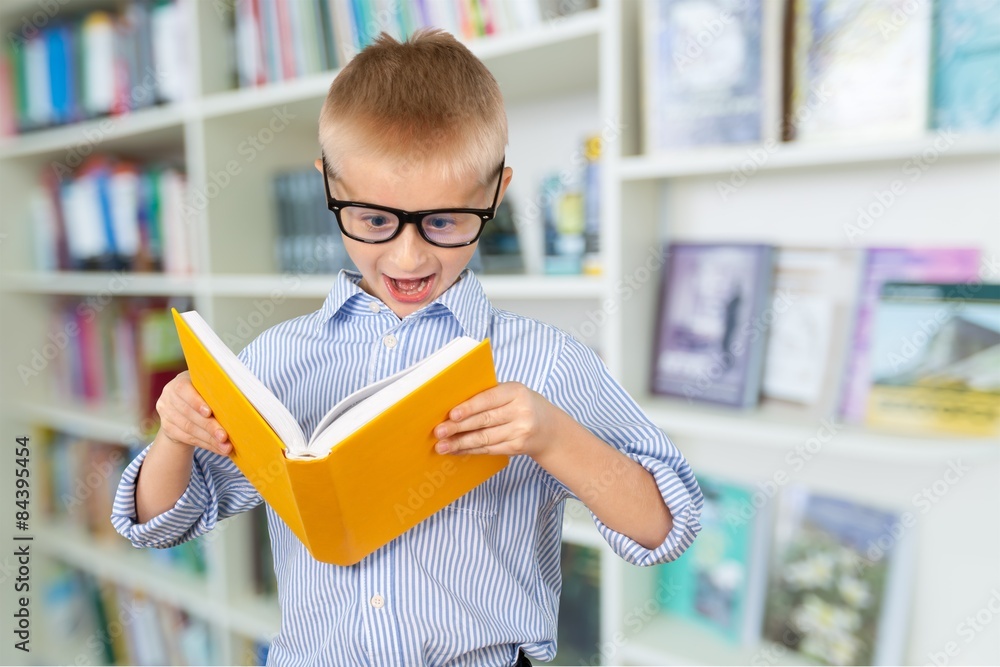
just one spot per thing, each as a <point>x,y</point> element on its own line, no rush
<point>882,265</point>
<point>710,336</point>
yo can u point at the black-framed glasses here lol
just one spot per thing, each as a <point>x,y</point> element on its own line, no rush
<point>442,227</point>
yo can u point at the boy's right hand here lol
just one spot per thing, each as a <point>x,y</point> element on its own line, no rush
<point>186,419</point>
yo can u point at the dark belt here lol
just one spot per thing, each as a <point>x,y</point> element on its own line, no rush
<point>522,659</point>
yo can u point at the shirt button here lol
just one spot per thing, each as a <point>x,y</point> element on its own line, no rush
<point>374,307</point>
<point>378,601</point>
<point>389,341</point>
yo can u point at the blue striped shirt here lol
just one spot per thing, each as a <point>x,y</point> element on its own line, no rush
<point>480,578</point>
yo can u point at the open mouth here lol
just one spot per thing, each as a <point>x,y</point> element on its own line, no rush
<point>409,290</point>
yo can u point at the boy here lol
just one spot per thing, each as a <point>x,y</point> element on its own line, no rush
<point>420,126</point>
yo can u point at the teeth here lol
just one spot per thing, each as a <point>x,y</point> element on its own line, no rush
<point>410,286</point>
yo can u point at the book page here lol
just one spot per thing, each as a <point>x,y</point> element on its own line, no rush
<point>352,414</point>
<point>266,403</point>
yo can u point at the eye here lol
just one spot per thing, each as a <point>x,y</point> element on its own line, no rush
<point>375,220</point>
<point>439,222</point>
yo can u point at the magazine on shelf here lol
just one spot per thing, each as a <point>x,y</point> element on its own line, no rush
<point>710,72</point>
<point>884,265</point>
<point>936,359</point>
<point>840,580</point>
<point>719,581</point>
<point>815,291</point>
<point>711,333</point>
<point>859,70</point>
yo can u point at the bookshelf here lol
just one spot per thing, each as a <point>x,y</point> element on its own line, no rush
<point>562,78</point>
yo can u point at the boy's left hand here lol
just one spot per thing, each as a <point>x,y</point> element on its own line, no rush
<point>507,419</point>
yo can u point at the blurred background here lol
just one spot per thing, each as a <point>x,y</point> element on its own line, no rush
<point>778,222</point>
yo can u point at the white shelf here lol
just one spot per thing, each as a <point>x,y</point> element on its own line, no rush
<point>721,160</point>
<point>665,640</point>
<point>95,423</point>
<point>117,283</point>
<point>559,40</point>
<point>162,120</point>
<point>776,428</point>
<point>130,568</point>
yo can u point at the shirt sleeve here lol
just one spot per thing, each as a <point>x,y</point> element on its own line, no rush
<point>581,385</point>
<point>217,490</point>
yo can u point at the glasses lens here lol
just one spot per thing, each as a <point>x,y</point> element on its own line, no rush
<point>369,224</point>
<point>451,228</point>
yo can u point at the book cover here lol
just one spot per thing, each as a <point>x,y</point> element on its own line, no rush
<point>839,580</point>
<point>340,511</point>
<point>814,294</point>
<point>719,581</point>
<point>860,70</point>
<point>711,334</point>
<point>967,64</point>
<point>884,265</point>
<point>936,359</point>
<point>703,72</point>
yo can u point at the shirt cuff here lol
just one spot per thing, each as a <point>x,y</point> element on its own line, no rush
<point>192,515</point>
<point>685,511</point>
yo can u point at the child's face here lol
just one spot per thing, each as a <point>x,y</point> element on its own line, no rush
<point>407,273</point>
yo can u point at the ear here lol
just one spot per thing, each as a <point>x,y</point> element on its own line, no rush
<point>508,173</point>
<point>319,165</point>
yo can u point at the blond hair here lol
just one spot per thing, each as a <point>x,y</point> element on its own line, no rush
<point>426,103</point>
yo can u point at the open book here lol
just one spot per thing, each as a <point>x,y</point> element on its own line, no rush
<point>368,472</point>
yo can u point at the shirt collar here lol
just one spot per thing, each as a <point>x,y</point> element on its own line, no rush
<point>465,300</point>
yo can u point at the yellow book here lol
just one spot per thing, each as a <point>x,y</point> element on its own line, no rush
<point>369,471</point>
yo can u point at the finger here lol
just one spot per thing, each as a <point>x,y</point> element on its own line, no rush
<point>483,401</point>
<point>190,395</point>
<point>474,442</point>
<point>474,422</point>
<point>183,424</point>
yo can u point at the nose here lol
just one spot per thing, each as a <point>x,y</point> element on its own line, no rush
<point>409,249</point>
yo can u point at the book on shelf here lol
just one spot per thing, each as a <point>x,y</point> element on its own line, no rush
<point>710,329</point>
<point>321,485</point>
<point>309,240</point>
<point>98,63</point>
<point>882,265</point>
<point>116,354</point>
<point>499,247</point>
<point>579,623</point>
<point>111,215</point>
<point>570,206</point>
<point>840,577</point>
<point>859,70</point>
<point>813,309</point>
<point>936,359</point>
<point>275,40</point>
<point>719,582</point>
<point>967,65</point>
<point>115,625</point>
<point>711,72</point>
